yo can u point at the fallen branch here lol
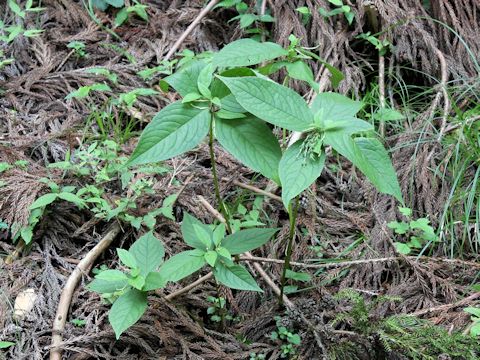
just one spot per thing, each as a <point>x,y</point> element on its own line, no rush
<point>190,28</point>
<point>69,288</point>
<point>447,307</point>
<point>257,190</point>
<point>188,287</point>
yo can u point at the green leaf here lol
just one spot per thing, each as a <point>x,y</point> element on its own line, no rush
<point>189,234</point>
<point>402,248</point>
<point>211,257</point>
<point>204,80</point>
<point>230,104</point>
<point>116,3</point>
<point>137,281</point>
<point>251,142</point>
<point>106,286</point>
<point>148,252</point>
<point>399,227</point>
<point>369,155</point>
<point>191,97</point>
<point>6,344</point>
<point>405,211</point>
<point>204,234</point>
<point>127,310</point>
<point>182,265</point>
<point>301,71</point>
<point>43,201</point>
<point>154,281</point>
<point>71,198</point>
<point>298,276</point>
<point>247,52</point>
<point>473,310</point>
<point>335,106</point>
<point>121,17</point>
<point>235,277</point>
<point>386,114</point>
<point>475,329</point>
<point>298,171</point>
<point>112,275</point>
<point>127,258</point>
<point>271,102</point>
<point>246,240</point>
<point>184,81</point>
<point>177,128</point>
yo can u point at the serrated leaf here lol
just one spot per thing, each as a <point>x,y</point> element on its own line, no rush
<point>43,201</point>
<point>106,286</point>
<point>148,252</point>
<point>211,257</point>
<point>246,240</point>
<point>189,234</point>
<point>251,142</point>
<point>126,258</point>
<point>154,281</point>
<point>335,106</point>
<point>127,310</point>
<point>112,275</point>
<point>184,81</point>
<point>247,52</point>
<point>402,248</point>
<point>271,102</point>
<point>177,128</point>
<point>182,265</point>
<point>369,155</point>
<point>298,171</point>
<point>235,277</point>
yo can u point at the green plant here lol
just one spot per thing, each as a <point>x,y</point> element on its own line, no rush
<point>475,327</point>
<point>233,105</point>
<point>78,322</point>
<point>289,341</point>
<point>127,290</point>
<point>122,15</point>
<point>306,14</point>
<point>218,312</point>
<point>381,45</point>
<point>340,8</point>
<point>255,356</point>
<point>78,47</point>
<point>419,233</point>
<point>84,91</point>
<point>246,18</point>
<point>6,344</point>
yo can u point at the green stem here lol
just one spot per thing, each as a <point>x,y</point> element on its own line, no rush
<point>223,209</point>
<point>292,215</point>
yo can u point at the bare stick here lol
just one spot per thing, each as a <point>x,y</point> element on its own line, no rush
<point>69,288</point>
<point>446,307</point>
<point>257,190</point>
<point>189,287</point>
<point>381,89</point>
<point>443,84</point>
<point>190,28</point>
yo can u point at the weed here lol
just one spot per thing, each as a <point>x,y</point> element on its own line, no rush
<point>340,8</point>
<point>78,47</point>
<point>475,327</point>
<point>419,233</point>
<point>289,341</point>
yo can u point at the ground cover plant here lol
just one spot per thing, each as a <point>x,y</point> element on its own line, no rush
<point>239,180</point>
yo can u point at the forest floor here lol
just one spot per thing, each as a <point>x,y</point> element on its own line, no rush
<point>354,302</point>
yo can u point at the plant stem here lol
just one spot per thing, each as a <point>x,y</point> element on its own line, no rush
<point>292,215</point>
<point>223,209</point>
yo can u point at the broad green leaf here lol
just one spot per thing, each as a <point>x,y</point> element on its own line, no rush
<point>402,248</point>
<point>229,103</point>
<point>181,265</point>
<point>204,234</point>
<point>219,234</point>
<point>298,276</point>
<point>127,310</point>
<point>473,310</point>
<point>71,198</point>
<point>6,344</point>
<point>337,75</point>
<point>176,129</point>
<point>335,106</point>
<point>247,52</point>
<point>369,155</point>
<point>386,114</point>
<point>116,3</point>
<point>271,102</point>
<point>191,97</point>
<point>111,275</point>
<point>475,329</point>
<point>137,281</point>
<point>301,71</point>
<point>106,286</point>
<point>100,87</point>
<point>204,80</point>
<point>148,252</point>
<point>154,281</point>
<point>378,167</point>
<point>189,234</point>
<point>399,227</point>
<point>211,257</point>
<point>228,115</point>
<point>235,277</point>
<point>43,201</point>
<point>298,171</point>
<point>184,81</point>
<point>127,258</point>
<point>251,142</point>
<point>246,240</point>
<point>405,211</point>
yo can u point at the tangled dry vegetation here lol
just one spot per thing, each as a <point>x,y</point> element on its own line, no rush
<point>39,126</point>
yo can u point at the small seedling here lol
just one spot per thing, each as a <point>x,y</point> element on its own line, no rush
<point>78,47</point>
<point>78,322</point>
<point>419,232</point>
<point>289,341</point>
<point>475,326</point>
<point>340,8</point>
